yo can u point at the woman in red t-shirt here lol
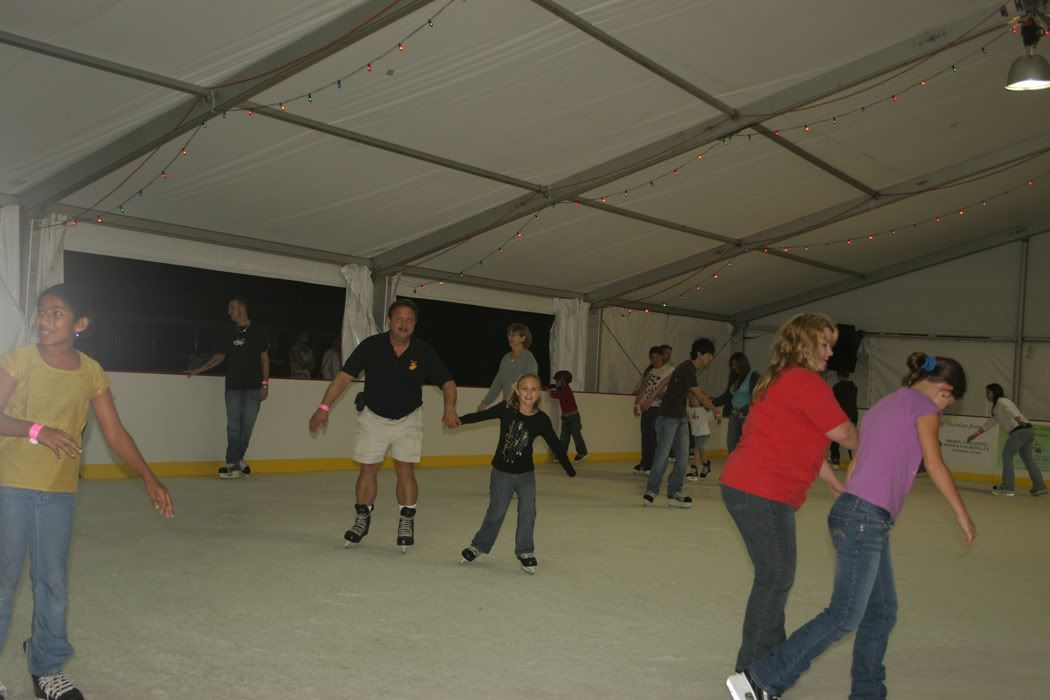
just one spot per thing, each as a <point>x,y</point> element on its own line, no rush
<point>793,417</point>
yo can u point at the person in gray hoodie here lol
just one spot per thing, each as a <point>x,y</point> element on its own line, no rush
<point>515,363</point>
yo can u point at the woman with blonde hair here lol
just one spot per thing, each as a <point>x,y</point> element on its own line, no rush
<point>793,417</point>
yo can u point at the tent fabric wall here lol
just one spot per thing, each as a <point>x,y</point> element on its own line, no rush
<point>975,295</point>
<point>626,339</point>
<point>422,288</point>
<point>12,324</point>
<point>568,339</point>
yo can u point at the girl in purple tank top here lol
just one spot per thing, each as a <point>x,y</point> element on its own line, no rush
<point>897,433</point>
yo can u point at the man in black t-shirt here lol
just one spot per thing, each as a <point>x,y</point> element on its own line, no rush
<point>244,348</point>
<point>672,424</point>
<point>395,366</point>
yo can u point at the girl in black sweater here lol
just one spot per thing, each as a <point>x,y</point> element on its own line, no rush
<point>520,423</point>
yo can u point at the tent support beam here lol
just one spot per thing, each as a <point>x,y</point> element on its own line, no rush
<point>344,31</point>
<point>834,214</point>
<point>700,233</point>
<point>889,272</point>
<point>390,147</point>
<point>83,59</point>
<point>162,228</point>
<point>702,95</point>
<point>659,151</point>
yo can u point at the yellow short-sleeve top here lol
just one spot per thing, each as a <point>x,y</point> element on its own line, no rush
<point>58,399</point>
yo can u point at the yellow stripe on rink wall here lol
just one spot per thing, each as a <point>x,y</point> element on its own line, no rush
<point>299,466</point>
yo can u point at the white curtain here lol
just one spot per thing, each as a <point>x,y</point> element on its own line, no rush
<point>358,322</point>
<point>12,325</point>
<point>569,338</point>
<point>390,283</point>
<point>45,266</point>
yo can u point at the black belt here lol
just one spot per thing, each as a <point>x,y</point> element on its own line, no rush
<point>1022,426</point>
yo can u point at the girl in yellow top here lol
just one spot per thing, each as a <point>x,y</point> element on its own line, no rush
<point>45,390</point>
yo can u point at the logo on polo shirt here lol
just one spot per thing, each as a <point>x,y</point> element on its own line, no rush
<point>412,364</point>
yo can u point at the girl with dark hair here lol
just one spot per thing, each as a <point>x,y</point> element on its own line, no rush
<point>736,399</point>
<point>1020,437</point>
<point>899,431</point>
<point>45,392</point>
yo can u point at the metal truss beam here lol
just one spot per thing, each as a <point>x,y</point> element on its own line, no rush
<point>390,147</point>
<point>958,250</point>
<point>700,233</point>
<point>834,214</point>
<point>683,84</point>
<point>686,140</point>
<point>332,37</point>
<point>101,64</point>
<point>163,228</point>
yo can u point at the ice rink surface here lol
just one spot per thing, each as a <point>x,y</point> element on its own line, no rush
<point>249,593</point>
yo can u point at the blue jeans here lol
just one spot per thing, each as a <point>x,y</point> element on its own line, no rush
<point>734,430</point>
<point>864,599</point>
<point>37,523</point>
<point>502,487</point>
<point>1021,440</point>
<point>768,529</point>
<point>572,426</point>
<point>671,434</point>
<point>242,408</point>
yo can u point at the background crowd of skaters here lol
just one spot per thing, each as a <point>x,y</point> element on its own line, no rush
<point>784,421</point>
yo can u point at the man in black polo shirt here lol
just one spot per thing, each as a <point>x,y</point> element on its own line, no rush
<point>245,349</point>
<point>395,366</point>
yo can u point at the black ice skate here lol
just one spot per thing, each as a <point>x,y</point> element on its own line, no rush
<point>360,527</point>
<point>406,529</point>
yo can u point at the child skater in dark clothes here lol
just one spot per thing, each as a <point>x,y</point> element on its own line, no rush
<point>571,423</point>
<point>520,423</point>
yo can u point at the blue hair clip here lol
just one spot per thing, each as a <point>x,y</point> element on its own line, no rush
<point>930,364</point>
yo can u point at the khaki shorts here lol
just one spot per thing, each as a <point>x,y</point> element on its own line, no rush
<point>402,436</point>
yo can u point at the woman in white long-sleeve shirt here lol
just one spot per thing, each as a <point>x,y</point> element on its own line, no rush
<point>1020,437</point>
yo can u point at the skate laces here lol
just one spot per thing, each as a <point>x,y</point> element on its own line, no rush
<point>360,523</point>
<point>404,527</point>
<point>55,686</point>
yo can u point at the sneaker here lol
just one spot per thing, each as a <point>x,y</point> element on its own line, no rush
<point>56,687</point>
<point>642,471</point>
<point>406,529</point>
<point>229,471</point>
<point>693,474</point>
<point>245,469</point>
<point>1037,492</point>
<point>742,687</point>
<point>998,490</point>
<point>360,527</point>
<point>679,501</point>
<point>648,498</point>
<point>528,562</point>
<point>580,458</point>
<point>467,555</point>
<point>706,470</point>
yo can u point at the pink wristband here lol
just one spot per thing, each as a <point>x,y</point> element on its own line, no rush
<point>324,407</point>
<point>34,433</point>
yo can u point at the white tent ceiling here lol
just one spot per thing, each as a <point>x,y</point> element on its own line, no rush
<point>520,97</point>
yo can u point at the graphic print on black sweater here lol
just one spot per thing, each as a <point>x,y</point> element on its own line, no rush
<point>517,432</point>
